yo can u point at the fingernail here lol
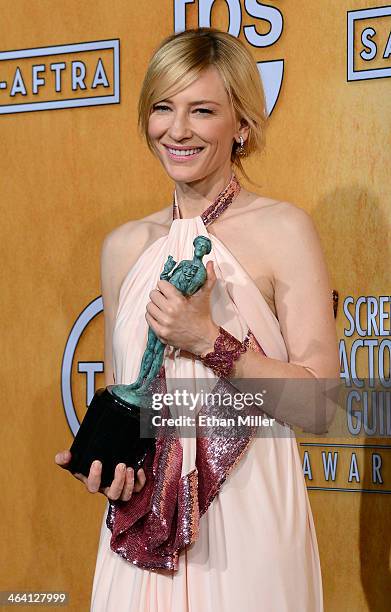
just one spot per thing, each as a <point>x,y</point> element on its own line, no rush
<point>123,467</point>
<point>129,470</point>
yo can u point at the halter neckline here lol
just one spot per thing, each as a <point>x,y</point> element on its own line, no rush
<point>220,204</point>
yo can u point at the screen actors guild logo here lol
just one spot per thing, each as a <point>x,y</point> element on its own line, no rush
<point>369,44</point>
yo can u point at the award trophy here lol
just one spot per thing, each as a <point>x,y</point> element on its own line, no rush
<point>111,428</point>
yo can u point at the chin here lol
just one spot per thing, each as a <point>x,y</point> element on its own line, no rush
<point>184,174</point>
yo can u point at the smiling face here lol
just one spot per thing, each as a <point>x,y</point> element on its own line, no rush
<point>192,132</point>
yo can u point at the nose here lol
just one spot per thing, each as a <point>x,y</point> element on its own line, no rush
<point>179,127</point>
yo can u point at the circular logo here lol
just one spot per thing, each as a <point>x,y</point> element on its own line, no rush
<point>90,368</point>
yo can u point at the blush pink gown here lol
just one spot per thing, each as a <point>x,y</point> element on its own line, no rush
<point>257,549</point>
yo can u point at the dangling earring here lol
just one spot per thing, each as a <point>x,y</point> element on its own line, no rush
<point>241,150</point>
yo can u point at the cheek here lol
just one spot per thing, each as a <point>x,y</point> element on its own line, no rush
<point>219,133</point>
<point>155,127</point>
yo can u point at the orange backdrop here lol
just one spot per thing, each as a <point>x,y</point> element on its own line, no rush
<point>69,175</point>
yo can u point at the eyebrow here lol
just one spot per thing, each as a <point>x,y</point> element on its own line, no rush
<point>196,102</point>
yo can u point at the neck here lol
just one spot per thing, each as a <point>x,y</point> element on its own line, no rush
<point>195,197</point>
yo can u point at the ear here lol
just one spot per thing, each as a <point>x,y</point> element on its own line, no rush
<point>243,129</point>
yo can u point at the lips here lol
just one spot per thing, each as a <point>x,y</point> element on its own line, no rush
<point>183,150</point>
<point>183,153</point>
<point>182,147</point>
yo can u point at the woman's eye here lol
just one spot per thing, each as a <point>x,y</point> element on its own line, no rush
<point>163,108</point>
<point>158,107</point>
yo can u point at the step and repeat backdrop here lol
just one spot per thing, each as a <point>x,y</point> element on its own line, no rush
<point>73,167</point>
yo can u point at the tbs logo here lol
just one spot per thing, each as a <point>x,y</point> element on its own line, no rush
<point>271,72</point>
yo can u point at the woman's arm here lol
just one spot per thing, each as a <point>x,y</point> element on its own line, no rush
<point>304,308</point>
<point>115,262</point>
<point>120,250</point>
<point>111,279</point>
<point>304,305</point>
<point>110,305</point>
<point>114,267</point>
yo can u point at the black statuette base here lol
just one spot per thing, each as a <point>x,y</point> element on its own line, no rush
<point>110,432</point>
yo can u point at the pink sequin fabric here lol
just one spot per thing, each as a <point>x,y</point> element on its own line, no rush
<point>153,527</point>
<point>226,350</point>
<point>221,203</point>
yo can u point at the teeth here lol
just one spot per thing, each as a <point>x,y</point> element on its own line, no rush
<point>183,152</point>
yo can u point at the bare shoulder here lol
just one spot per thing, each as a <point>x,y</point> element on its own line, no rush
<point>292,216</point>
<point>295,227</point>
<point>123,245</point>
<point>132,235</point>
<point>275,210</point>
<point>278,220</point>
<point>292,241</point>
<point>279,231</point>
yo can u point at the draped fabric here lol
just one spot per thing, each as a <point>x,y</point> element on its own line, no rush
<point>253,545</point>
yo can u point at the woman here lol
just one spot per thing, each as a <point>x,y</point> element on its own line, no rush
<point>209,526</point>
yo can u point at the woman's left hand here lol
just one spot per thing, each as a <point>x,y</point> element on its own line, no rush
<point>184,322</point>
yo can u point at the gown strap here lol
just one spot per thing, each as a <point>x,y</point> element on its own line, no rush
<point>220,204</point>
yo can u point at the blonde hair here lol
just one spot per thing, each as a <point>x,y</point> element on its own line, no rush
<point>180,59</point>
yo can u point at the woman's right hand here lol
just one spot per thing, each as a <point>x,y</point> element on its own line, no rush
<point>122,486</point>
